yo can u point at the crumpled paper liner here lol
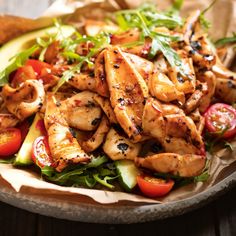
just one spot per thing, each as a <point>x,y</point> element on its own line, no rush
<point>223,18</point>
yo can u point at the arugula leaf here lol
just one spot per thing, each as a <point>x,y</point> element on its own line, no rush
<point>202,177</point>
<point>105,180</point>
<point>212,139</point>
<point>226,40</point>
<point>99,170</point>
<point>16,62</point>
<point>203,21</point>
<point>99,41</point>
<point>146,19</point>
<point>177,5</point>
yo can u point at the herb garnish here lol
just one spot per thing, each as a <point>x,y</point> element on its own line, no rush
<point>99,42</point>
<point>146,18</point>
<point>203,21</point>
<point>226,40</point>
<point>17,61</point>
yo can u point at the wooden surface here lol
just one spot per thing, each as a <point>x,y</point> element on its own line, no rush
<point>218,218</point>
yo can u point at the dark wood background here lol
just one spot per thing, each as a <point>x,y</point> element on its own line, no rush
<point>217,218</point>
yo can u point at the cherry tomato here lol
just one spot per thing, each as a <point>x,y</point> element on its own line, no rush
<point>38,66</point>
<point>221,119</point>
<point>22,74</point>
<point>10,141</point>
<point>41,155</point>
<point>154,187</point>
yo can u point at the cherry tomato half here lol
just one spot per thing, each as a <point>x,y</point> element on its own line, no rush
<point>33,69</point>
<point>41,155</point>
<point>154,187</point>
<point>22,74</point>
<point>38,66</point>
<point>221,119</point>
<point>10,141</point>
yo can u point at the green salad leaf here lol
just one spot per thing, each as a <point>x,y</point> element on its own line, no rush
<point>98,170</point>
<point>226,40</point>
<point>16,62</point>
<point>146,18</point>
<point>99,42</point>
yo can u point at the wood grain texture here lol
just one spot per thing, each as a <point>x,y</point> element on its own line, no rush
<point>216,219</point>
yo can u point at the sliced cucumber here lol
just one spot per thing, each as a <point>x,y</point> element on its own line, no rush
<point>128,174</point>
<point>10,49</point>
<point>24,155</point>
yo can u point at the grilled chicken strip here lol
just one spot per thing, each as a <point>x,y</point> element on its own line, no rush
<point>64,147</point>
<point>161,87</point>
<point>128,91</point>
<point>187,165</point>
<point>185,84</point>
<point>98,137</point>
<point>83,81</point>
<point>81,111</point>
<point>118,147</point>
<point>172,128</point>
<point>105,104</point>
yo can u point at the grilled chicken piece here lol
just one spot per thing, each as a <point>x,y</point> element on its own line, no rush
<point>161,87</point>
<point>197,97</point>
<point>127,37</point>
<point>8,121</point>
<point>25,100</point>
<point>226,90</point>
<point>187,165</point>
<point>98,137</point>
<point>83,82</point>
<point>128,92</point>
<point>188,27</point>
<point>100,76</point>
<point>185,84</point>
<point>143,66</point>
<point>118,147</point>
<point>81,111</point>
<point>222,72</point>
<point>63,146</point>
<point>160,64</point>
<point>105,104</point>
<point>172,128</point>
<point>210,79</point>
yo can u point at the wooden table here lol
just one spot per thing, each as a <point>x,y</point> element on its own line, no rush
<point>218,218</point>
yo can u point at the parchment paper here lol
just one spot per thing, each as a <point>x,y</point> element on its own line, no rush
<point>223,18</point>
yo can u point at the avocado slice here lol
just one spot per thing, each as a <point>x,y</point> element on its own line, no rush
<point>128,173</point>
<point>23,157</point>
<point>25,41</point>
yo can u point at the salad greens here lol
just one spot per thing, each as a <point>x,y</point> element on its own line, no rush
<point>99,170</point>
<point>146,18</point>
<point>16,62</point>
<point>226,40</point>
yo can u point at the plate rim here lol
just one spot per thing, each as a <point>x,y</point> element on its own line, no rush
<point>98,213</point>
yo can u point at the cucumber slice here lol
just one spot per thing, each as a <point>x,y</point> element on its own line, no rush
<point>10,49</point>
<point>128,174</point>
<point>23,157</point>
